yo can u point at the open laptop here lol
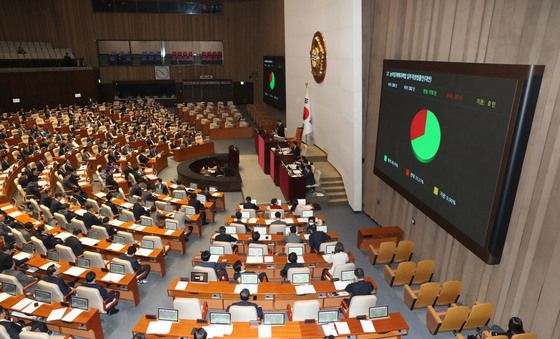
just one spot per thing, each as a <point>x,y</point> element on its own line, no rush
<point>326,317</point>
<point>297,250</point>
<point>27,248</point>
<point>300,278</point>
<point>147,244</point>
<point>347,275</point>
<point>329,249</point>
<point>116,268</point>
<point>43,296</point>
<point>9,288</point>
<point>168,314</point>
<point>168,208</point>
<point>231,230</point>
<point>379,312</point>
<point>145,221</point>
<point>201,277</point>
<point>275,319</point>
<point>79,303</point>
<point>262,230</point>
<point>217,250</point>
<point>180,194</point>
<point>255,251</point>
<point>83,263</point>
<point>220,318</point>
<point>171,224</point>
<point>53,255</point>
<point>201,198</point>
<point>306,213</point>
<point>118,239</point>
<point>249,278</point>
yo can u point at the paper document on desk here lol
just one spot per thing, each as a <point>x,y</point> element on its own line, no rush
<point>100,195</point>
<point>116,247</point>
<point>15,214</point>
<point>116,222</point>
<point>127,205</point>
<point>305,289</point>
<point>214,258</point>
<point>75,271</point>
<point>63,235</point>
<point>268,259</point>
<point>341,285</point>
<point>133,227</point>
<point>288,220</point>
<point>44,267</point>
<point>56,314</point>
<point>144,252</point>
<point>72,315</point>
<point>140,228</point>
<point>32,307</point>
<point>367,326</point>
<point>167,198</point>
<point>302,219</point>
<point>4,296</point>
<point>252,220</point>
<point>253,288</point>
<point>89,241</point>
<point>300,259</point>
<point>151,177</point>
<point>113,277</point>
<point>159,327</point>
<point>265,331</point>
<point>215,194</point>
<point>254,260</point>
<point>31,269</point>
<point>306,236</point>
<point>22,256</point>
<point>182,285</point>
<point>22,304</point>
<point>330,329</point>
<point>80,212</point>
<point>217,331</point>
<point>7,207</point>
<point>342,328</point>
<point>169,232</point>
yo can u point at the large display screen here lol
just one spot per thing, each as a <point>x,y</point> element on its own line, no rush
<point>451,138</point>
<point>274,81</point>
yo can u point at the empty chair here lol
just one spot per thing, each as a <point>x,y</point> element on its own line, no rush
<point>243,313</point>
<point>46,213</point>
<point>190,308</point>
<point>94,299</point>
<point>128,237</point>
<point>404,251</point>
<point>35,207</point>
<point>263,246</point>
<point>65,253</point>
<point>226,245</point>
<point>94,204</point>
<point>402,275</point>
<point>40,335</point>
<point>294,270</point>
<point>384,254</point>
<point>449,293</point>
<point>79,225</point>
<point>9,279</point>
<point>95,259</point>
<point>424,272</point>
<point>100,231</point>
<point>524,336</point>
<point>53,289</point>
<point>480,316</point>
<point>106,211</point>
<point>239,228</point>
<point>451,320</point>
<point>208,270</point>
<point>424,296</point>
<point>323,247</point>
<point>359,305</point>
<point>20,239</point>
<point>304,309</point>
<point>38,246</point>
<point>61,220</point>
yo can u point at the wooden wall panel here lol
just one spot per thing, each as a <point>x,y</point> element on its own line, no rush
<point>494,31</point>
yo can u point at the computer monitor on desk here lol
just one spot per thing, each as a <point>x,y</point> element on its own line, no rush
<point>52,255</point>
<point>220,318</point>
<point>326,317</point>
<point>255,251</point>
<point>9,288</point>
<point>79,303</point>
<point>217,250</point>
<point>347,275</point>
<point>300,278</point>
<point>201,277</point>
<point>231,230</point>
<point>171,225</point>
<point>262,230</point>
<point>322,228</point>
<point>274,319</point>
<point>168,208</point>
<point>146,221</point>
<point>249,278</point>
<point>297,250</point>
<point>379,312</point>
<point>116,268</point>
<point>43,296</point>
<point>148,244</point>
<point>248,213</point>
<point>168,314</point>
<point>306,213</point>
<point>27,248</point>
<point>180,194</point>
<point>83,263</point>
<point>201,198</point>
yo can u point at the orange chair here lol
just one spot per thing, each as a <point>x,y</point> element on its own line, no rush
<point>384,254</point>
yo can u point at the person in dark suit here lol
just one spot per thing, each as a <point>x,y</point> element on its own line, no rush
<point>237,221</point>
<point>105,295</point>
<point>219,269</point>
<point>193,202</point>
<point>161,187</point>
<point>248,205</point>
<point>360,286</point>
<point>280,129</point>
<point>244,296</point>
<point>138,267</point>
<point>56,206</point>
<point>5,164</point>
<point>292,262</point>
<point>74,243</point>
<point>6,257</point>
<point>89,218</point>
<point>239,269</point>
<point>294,149</point>
<point>48,239</point>
<point>111,205</point>
<point>53,278</point>
<point>13,329</point>
<point>222,236</point>
<point>33,189</point>
<point>143,157</point>
<point>139,211</point>
<point>136,190</point>
<point>316,238</point>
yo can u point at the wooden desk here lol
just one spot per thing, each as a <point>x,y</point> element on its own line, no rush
<point>392,327</point>
<point>86,325</point>
<point>193,151</point>
<point>376,235</point>
<point>276,160</point>
<point>158,163</point>
<point>292,187</point>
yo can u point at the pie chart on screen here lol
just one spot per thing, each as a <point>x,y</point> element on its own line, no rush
<point>425,135</point>
<point>271,80</point>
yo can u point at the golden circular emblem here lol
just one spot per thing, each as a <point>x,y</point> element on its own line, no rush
<point>318,56</point>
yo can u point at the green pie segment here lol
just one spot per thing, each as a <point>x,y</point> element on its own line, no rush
<point>425,135</point>
<point>271,80</point>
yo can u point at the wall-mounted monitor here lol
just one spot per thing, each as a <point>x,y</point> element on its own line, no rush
<point>274,81</point>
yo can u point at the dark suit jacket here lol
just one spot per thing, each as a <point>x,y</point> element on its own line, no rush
<point>225,237</point>
<point>143,159</point>
<point>48,240</point>
<point>56,206</point>
<point>91,219</point>
<point>217,268</point>
<point>104,293</point>
<point>5,261</point>
<point>113,207</point>
<point>247,303</point>
<point>12,328</point>
<point>317,238</point>
<point>75,244</point>
<point>59,282</point>
<point>163,188</point>
<point>196,204</point>
<point>287,266</point>
<point>139,211</point>
<point>135,264</point>
<point>250,206</point>
<point>360,287</point>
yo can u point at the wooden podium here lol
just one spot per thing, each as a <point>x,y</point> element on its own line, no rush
<point>376,235</point>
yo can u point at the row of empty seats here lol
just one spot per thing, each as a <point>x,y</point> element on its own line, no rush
<point>32,50</point>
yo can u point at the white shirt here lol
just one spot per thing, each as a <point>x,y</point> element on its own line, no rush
<point>338,259</point>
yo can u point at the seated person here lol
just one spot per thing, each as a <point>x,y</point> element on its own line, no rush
<point>74,243</point>
<point>244,296</point>
<point>294,149</point>
<point>277,219</point>
<point>137,266</point>
<point>292,262</point>
<point>199,333</point>
<point>239,268</point>
<point>90,218</point>
<point>237,220</point>
<point>358,287</point>
<point>48,239</point>
<point>15,328</point>
<point>193,202</point>
<point>316,238</point>
<point>105,295</point>
<point>222,236</point>
<point>218,268</point>
<point>138,210</point>
<point>248,204</point>
<point>6,256</point>
<point>339,257</point>
<point>293,237</point>
<point>255,237</point>
<point>23,279</point>
<point>515,326</point>
<point>111,205</point>
<point>53,278</point>
<point>274,204</point>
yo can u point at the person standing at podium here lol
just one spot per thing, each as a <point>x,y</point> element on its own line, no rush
<point>280,129</point>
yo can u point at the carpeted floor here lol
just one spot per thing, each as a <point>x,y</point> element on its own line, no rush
<point>339,218</point>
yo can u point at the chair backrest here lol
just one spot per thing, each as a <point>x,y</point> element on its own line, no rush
<point>450,292</point>
<point>360,304</point>
<point>46,212</point>
<point>128,237</point>
<point>4,278</point>
<point>94,204</point>
<point>404,251</point>
<point>61,220</point>
<point>60,188</point>
<point>129,215</point>
<point>294,245</point>
<point>102,233</point>
<point>338,269</point>
<point>20,239</point>
<point>95,259</point>
<point>35,335</point>
<point>404,273</point>
<point>79,225</point>
<point>427,294</point>
<point>293,270</point>
<point>38,246</point>
<point>127,265</point>
<point>305,309</point>
<point>239,228</point>
<point>454,318</point>
<point>93,296</point>
<point>479,316</point>
<point>324,245</point>
<point>243,313</point>
<point>226,245</point>
<point>189,308</point>
<point>106,211</point>
<point>385,252</point>
<point>65,253</point>
<point>525,336</point>
<point>155,239</point>
<point>424,271</point>
<point>317,175</point>
<point>263,246</point>
<point>277,228</point>
<point>4,334</point>
<point>210,271</point>
<point>56,293</point>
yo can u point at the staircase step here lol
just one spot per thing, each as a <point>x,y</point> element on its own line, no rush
<point>334,189</point>
<point>336,195</point>
<point>332,183</point>
<point>331,179</point>
<point>338,201</point>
